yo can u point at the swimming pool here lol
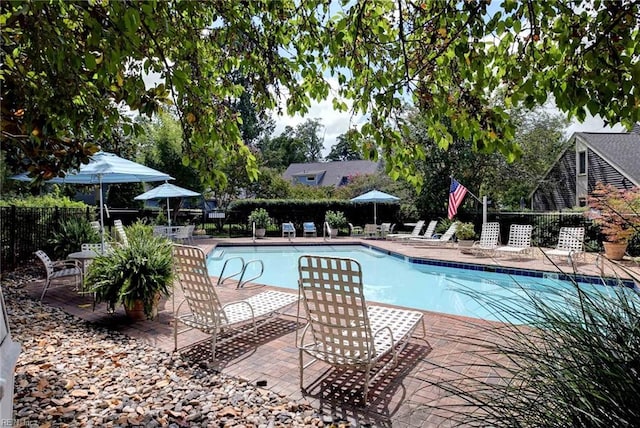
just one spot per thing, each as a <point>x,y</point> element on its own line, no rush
<point>395,280</point>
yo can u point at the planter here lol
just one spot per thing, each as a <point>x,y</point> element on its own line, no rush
<point>260,233</point>
<point>136,312</point>
<point>614,250</point>
<point>334,232</point>
<point>464,245</point>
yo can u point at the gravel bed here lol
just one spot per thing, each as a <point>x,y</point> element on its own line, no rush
<point>71,373</point>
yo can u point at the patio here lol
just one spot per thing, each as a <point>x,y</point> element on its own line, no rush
<point>398,399</point>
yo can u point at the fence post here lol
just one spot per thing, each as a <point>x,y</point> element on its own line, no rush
<point>12,236</point>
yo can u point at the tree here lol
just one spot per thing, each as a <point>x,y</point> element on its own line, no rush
<point>279,152</point>
<point>67,67</point>
<point>308,133</point>
<point>345,148</point>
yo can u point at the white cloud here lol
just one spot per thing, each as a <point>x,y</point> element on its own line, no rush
<point>335,122</point>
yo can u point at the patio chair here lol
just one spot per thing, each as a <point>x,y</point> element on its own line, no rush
<point>370,231</point>
<point>206,311</point>
<point>309,229</point>
<point>120,233</point>
<point>570,245</point>
<point>60,272</point>
<point>489,238</point>
<point>446,239</point>
<point>184,234</point>
<point>415,232</point>
<point>385,229</point>
<point>288,230</point>
<point>95,225</point>
<point>355,230</point>
<point>341,329</point>
<point>519,243</point>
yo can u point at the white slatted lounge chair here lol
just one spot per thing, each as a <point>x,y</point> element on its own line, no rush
<point>95,225</point>
<point>288,230</point>
<point>120,234</point>
<point>570,244</point>
<point>446,239</point>
<point>415,232</point>
<point>428,233</point>
<point>342,330</point>
<point>519,243</point>
<point>309,229</point>
<point>60,273</point>
<point>489,238</point>
<point>206,311</point>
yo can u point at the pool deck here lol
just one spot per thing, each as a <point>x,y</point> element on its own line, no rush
<point>400,398</point>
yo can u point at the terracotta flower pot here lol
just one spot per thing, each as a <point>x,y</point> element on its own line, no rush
<point>136,312</point>
<point>614,250</point>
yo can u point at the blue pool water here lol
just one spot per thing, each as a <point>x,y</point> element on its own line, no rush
<point>393,280</point>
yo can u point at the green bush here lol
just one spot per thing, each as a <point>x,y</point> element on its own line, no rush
<point>70,235</point>
<point>140,271</point>
<point>336,219</point>
<point>47,201</point>
<point>465,231</point>
<point>260,217</point>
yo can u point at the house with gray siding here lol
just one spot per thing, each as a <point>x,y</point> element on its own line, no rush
<point>612,158</point>
<point>337,173</point>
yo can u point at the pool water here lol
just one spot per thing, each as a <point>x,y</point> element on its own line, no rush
<point>393,280</point>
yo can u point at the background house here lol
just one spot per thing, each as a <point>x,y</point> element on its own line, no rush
<point>612,158</point>
<point>335,174</point>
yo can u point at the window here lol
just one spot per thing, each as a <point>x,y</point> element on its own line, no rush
<point>582,162</point>
<point>311,178</point>
<point>582,201</point>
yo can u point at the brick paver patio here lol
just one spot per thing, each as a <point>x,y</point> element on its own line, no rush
<point>399,398</point>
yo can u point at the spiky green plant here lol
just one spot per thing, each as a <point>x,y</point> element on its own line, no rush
<point>70,235</point>
<point>570,359</point>
<point>140,271</point>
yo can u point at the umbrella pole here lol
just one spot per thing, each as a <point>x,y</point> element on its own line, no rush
<point>375,221</point>
<point>101,218</point>
<point>168,213</point>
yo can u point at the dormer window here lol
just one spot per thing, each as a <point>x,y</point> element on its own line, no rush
<point>311,178</point>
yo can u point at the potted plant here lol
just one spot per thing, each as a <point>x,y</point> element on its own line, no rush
<point>465,233</point>
<point>137,275</point>
<point>336,220</point>
<point>617,212</point>
<point>261,218</point>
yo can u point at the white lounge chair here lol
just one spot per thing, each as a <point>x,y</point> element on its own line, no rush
<point>519,243</point>
<point>570,244</point>
<point>206,312</point>
<point>415,232</point>
<point>489,239</point>
<point>60,272</point>
<point>288,230</point>
<point>342,330</point>
<point>309,229</point>
<point>446,239</point>
<point>427,234</point>
<point>120,233</point>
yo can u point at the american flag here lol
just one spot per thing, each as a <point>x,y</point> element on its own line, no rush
<point>456,195</point>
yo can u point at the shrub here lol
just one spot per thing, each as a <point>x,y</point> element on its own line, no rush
<point>336,219</point>
<point>141,270</point>
<point>260,217</point>
<point>70,235</point>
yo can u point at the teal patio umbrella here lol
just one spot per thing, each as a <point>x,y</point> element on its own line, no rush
<point>376,197</point>
<point>166,191</point>
<point>106,168</point>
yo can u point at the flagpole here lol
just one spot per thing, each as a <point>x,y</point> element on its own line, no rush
<point>468,191</point>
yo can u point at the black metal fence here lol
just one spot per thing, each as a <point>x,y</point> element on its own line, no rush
<point>25,230</point>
